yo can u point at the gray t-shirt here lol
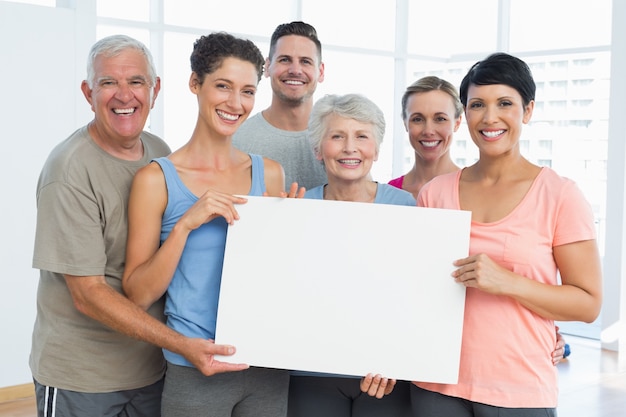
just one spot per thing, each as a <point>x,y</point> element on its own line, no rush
<point>82,196</point>
<point>293,150</point>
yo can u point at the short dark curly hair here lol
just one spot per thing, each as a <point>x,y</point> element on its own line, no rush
<point>210,51</point>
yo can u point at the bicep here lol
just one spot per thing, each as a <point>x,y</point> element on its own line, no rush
<point>146,204</point>
<point>579,266</point>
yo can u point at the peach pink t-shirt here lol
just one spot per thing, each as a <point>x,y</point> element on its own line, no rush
<point>506,348</point>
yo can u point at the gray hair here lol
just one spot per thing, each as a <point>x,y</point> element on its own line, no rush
<point>114,45</point>
<point>350,106</point>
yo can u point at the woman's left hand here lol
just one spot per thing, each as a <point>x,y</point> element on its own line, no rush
<point>377,386</point>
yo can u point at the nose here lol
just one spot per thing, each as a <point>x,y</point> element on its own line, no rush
<point>124,92</point>
<point>349,145</point>
<point>234,100</point>
<point>295,68</point>
<point>428,127</point>
<point>490,114</point>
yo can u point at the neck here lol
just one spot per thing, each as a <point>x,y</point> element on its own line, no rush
<point>294,118</point>
<point>422,172</point>
<point>426,171</point>
<point>128,149</point>
<point>363,191</point>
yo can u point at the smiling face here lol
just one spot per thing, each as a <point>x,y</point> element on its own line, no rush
<point>348,148</point>
<point>431,123</point>
<point>495,114</point>
<point>295,69</point>
<point>121,96</point>
<point>226,96</point>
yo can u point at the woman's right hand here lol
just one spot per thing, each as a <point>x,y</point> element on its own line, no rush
<point>210,205</point>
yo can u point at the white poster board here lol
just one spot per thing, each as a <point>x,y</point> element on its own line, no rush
<point>344,288</point>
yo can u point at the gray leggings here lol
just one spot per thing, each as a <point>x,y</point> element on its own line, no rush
<point>326,396</point>
<point>255,392</point>
<point>432,404</point>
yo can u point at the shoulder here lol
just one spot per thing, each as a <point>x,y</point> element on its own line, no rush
<point>388,194</point>
<point>72,160</point>
<point>557,189</point>
<point>150,174</point>
<point>271,165</point>
<point>154,145</point>
<point>315,193</point>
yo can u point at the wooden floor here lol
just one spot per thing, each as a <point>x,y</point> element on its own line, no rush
<point>592,384</point>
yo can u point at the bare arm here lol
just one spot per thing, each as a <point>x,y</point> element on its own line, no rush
<point>149,265</point>
<point>578,299</point>
<point>93,297</point>
<point>274,178</point>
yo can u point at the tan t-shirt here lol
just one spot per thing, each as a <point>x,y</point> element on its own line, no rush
<point>82,197</point>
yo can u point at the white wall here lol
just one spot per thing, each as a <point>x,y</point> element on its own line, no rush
<point>39,96</point>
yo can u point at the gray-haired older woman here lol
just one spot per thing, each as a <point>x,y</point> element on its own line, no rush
<point>346,132</point>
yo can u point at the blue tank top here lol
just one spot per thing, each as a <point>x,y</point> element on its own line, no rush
<point>192,296</point>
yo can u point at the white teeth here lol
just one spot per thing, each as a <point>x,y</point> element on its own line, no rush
<point>227,116</point>
<point>124,111</point>
<point>429,144</point>
<point>293,82</point>
<point>492,133</point>
<point>349,161</point>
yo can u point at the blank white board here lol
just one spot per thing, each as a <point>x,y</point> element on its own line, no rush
<point>345,288</point>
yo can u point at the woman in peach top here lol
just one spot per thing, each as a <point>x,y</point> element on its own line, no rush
<point>528,223</point>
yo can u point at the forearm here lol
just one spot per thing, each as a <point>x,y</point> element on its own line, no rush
<point>555,302</point>
<point>95,298</point>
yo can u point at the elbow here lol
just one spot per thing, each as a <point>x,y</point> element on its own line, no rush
<point>82,306</point>
<point>593,311</point>
<point>592,315</point>
<point>137,300</point>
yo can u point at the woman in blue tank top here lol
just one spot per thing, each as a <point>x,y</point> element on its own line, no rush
<point>179,211</point>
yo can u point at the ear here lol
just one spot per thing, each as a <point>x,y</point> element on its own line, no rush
<point>317,150</point>
<point>87,92</point>
<point>528,111</point>
<point>155,91</point>
<point>194,83</point>
<point>266,68</point>
<point>320,78</point>
<point>457,123</point>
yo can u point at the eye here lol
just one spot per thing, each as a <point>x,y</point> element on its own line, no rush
<point>441,119</point>
<point>506,103</point>
<point>107,83</point>
<point>417,119</point>
<point>222,86</point>
<point>249,92</point>
<point>138,83</point>
<point>475,105</point>
<point>307,62</point>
